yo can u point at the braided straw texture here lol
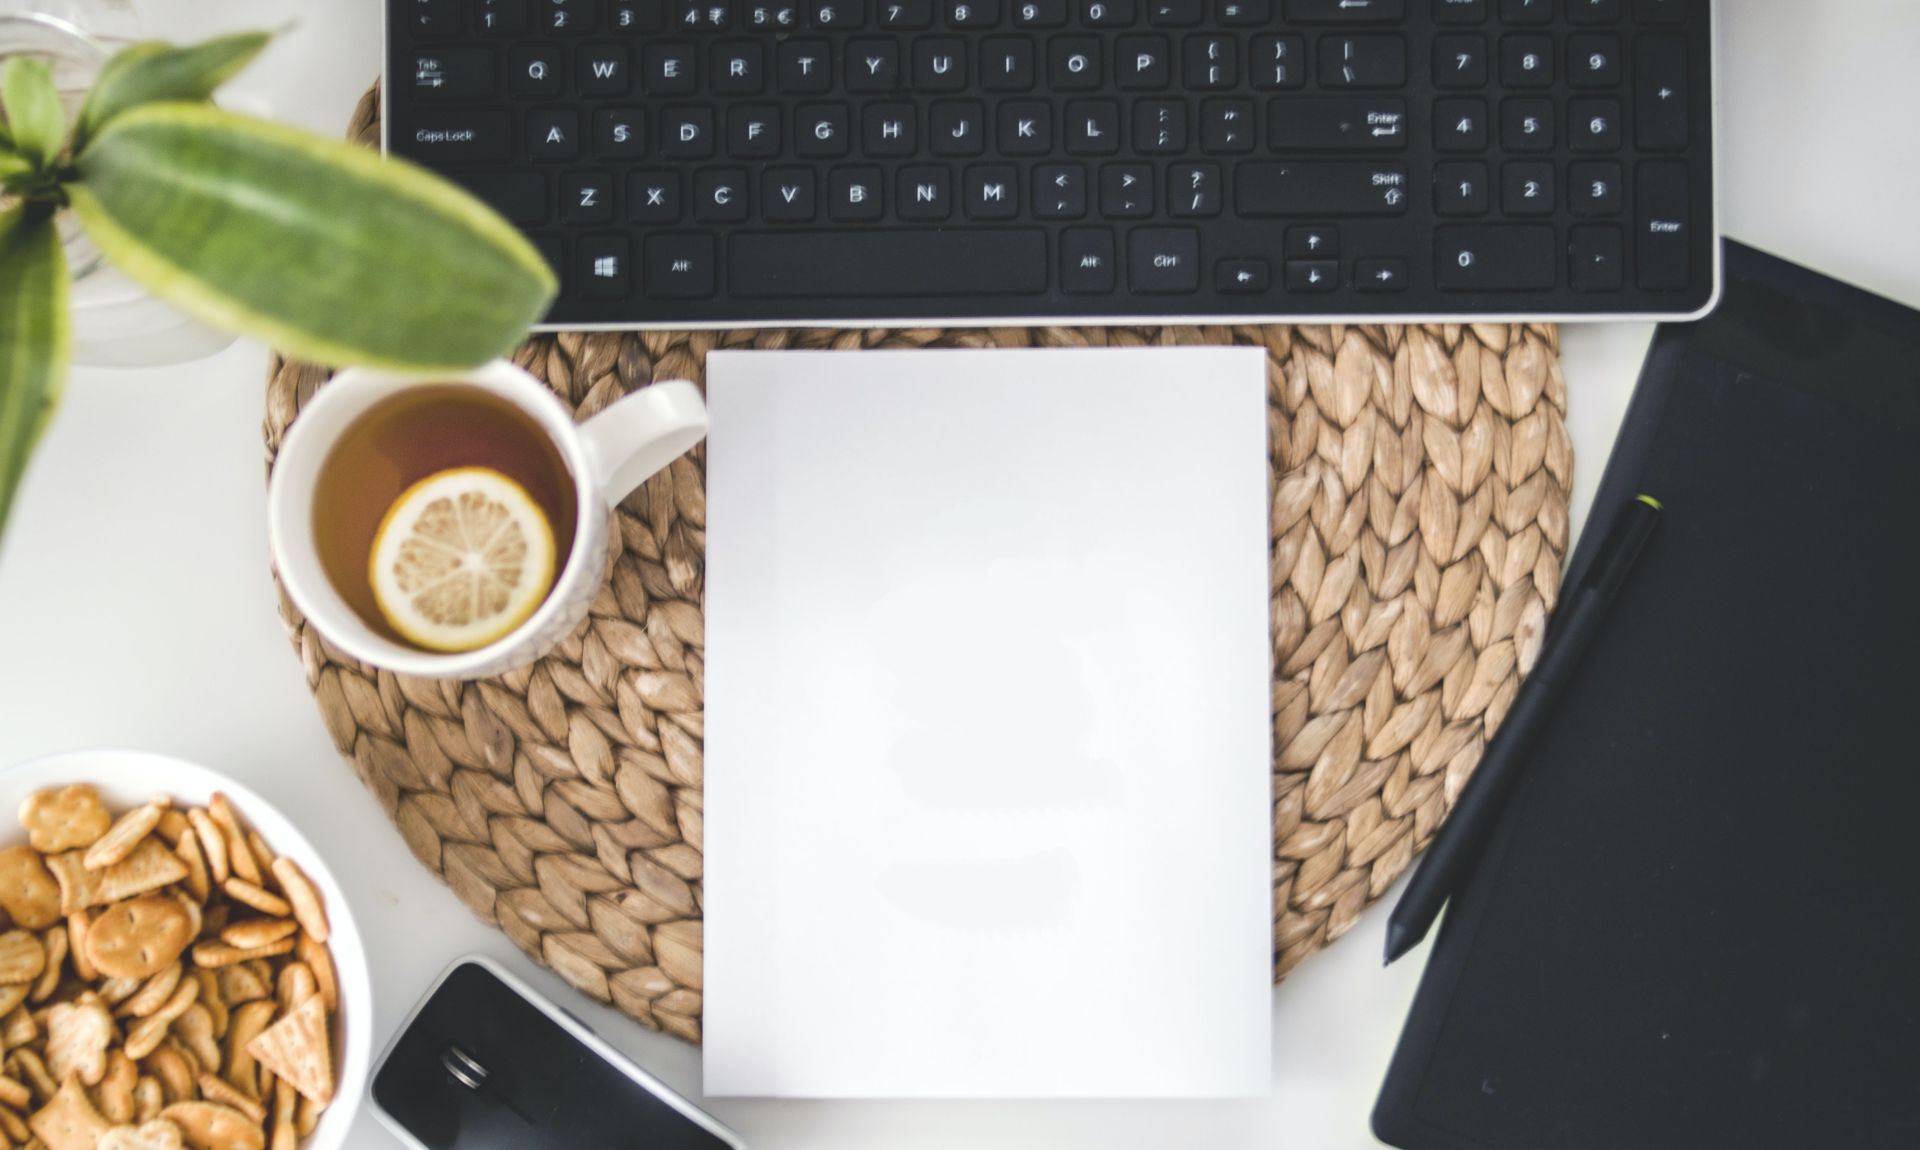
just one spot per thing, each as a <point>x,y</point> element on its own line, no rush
<point>1420,479</point>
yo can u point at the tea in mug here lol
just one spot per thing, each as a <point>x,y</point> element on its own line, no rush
<point>444,516</point>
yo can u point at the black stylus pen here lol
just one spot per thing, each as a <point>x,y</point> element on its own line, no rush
<point>1449,860</point>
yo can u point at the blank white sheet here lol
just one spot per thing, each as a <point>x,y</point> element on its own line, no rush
<point>987,781</point>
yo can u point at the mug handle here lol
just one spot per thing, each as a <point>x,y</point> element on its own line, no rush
<point>641,434</point>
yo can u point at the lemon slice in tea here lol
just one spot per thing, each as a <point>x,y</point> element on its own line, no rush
<point>461,559</point>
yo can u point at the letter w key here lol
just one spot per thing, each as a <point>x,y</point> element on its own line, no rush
<point>605,70</point>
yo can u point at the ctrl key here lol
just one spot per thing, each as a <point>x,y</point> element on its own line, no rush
<point>680,266</point>
<point>1163,261</point>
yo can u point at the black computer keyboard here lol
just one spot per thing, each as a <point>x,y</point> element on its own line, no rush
<point>871,161</point>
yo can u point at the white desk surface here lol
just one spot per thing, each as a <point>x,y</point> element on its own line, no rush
<point>136,610</point>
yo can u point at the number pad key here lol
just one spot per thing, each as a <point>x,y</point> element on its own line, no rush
<point>1526,188</point>
<point>1594,188</point>
<point>1593,125</point>
<point>1460,189</point>
<point>1593,61</point>
<point>1526,125</point>
<point>1460,125</point>
<point>1460,61</point>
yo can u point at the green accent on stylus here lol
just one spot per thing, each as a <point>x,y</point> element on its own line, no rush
<point>1650,501</point>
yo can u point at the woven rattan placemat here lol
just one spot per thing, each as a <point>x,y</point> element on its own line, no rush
<point>1420,480</point>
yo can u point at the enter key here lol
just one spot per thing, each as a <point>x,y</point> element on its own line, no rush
<point>1663,224</point>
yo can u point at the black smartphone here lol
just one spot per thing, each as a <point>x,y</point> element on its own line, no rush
<point>486,1063</point>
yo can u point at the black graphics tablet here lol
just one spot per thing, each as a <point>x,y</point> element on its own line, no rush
<point>1698,924</point>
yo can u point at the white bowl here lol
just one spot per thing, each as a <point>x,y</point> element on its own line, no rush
<point>128,778</point>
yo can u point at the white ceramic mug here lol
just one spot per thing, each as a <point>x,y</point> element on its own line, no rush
<point>607,456</point>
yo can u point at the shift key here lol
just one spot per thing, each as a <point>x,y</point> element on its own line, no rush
<point>459,136</point>
<point>1320,188</point>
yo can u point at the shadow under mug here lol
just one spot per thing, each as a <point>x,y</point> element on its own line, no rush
<point>608,456</point>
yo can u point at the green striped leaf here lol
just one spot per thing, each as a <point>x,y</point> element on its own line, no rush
<point>151,72</point>
<point>326,251</point>
<point>33,337</point>
<point>35,116</point>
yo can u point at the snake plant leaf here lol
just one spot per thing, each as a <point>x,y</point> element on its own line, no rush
<point>35,117</point>
<point>33,337</point>
<point>150,72</point>
<point>325,250</point>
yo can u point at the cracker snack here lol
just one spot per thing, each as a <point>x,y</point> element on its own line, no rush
<point>165,982</point>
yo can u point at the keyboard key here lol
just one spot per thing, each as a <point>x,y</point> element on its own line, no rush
<point>1593,61</point>
<point>433,18</point>
<point>1526,11</point>
<point>1025,128</point>
<point>1320,188</point>
<point>1380,275</point>
<point>620,133</point>
<point>604,70</point>
<point>973,13</point>
<point>1211,63</point>
<point>1193,191</point>
<point>1312,275</point>
<point>1040,13</point>
<point>586,198</point>
<point>653,197</point>
<point>1126,191</point>
<point>1660,93</point>
<point>720,195</point>
<point>925,193</point>
<point>667,69</point>
<point>637,16</point>
<point>906,15</point>
<point>553,249</point>
<point>567,17</point>
<point>1337,124</point>
<point>686,132</point>
<point>535,70</point>
<point>1526,125</point>
<point>1060,191</point>
<point>1460,61</point>
<point>1593,11</point>
<point>993,192</point>
<point>519,196</point>
<point>939,64</point>
<point>739,67</point>
<point>837,13</point>
<point>1107,13</point>
<point>1514,257</point>
<point>1244,13</point>
<point>1086,261</point>
<point>1460,125</point>
<point>854,195</point>
<point>753,131</point>
<point>1310,242</point>
<point>1226,127</point>
<point>1663,217</point>
<point>1526,61</point>
<point>1163,261</point>
<point>1363,61</point>
<point>604,268</point>
<point>1093,127</point>
<point>1140,63</point>
<point>957,128</point>
<point>1344,11</point>
<point>1006,65</point>
<point>1241,276</point>
<point>776,17</point>
<point>1073,63</point>
<point>888,130</point>
<point>882,264</point>
<point>787,195</point>
<point>453,74</point>
<point>820,130</point>
<point>1595,188</point>
<point>1593,125</point>
<point>1596,258</point>
<point>1460,189</point>
<point>1160,127</point>
<point>1278,63</point>
<point>680,265</point>
<point>704,16</point>
<point>503,17</point>
<point>873,66</point>
<point>553,134</point>
<point>1460,11</point>
<point>806,67</point>
<point>1526,188</point>
<point>1174,13</point>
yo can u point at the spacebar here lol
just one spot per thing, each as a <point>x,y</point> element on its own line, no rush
<point>916,262</point>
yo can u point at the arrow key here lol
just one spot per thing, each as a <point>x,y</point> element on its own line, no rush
<point>1379,275</point>
<point>1313,275</point>
<point>1240,277</point>
<point>1313,243</point>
